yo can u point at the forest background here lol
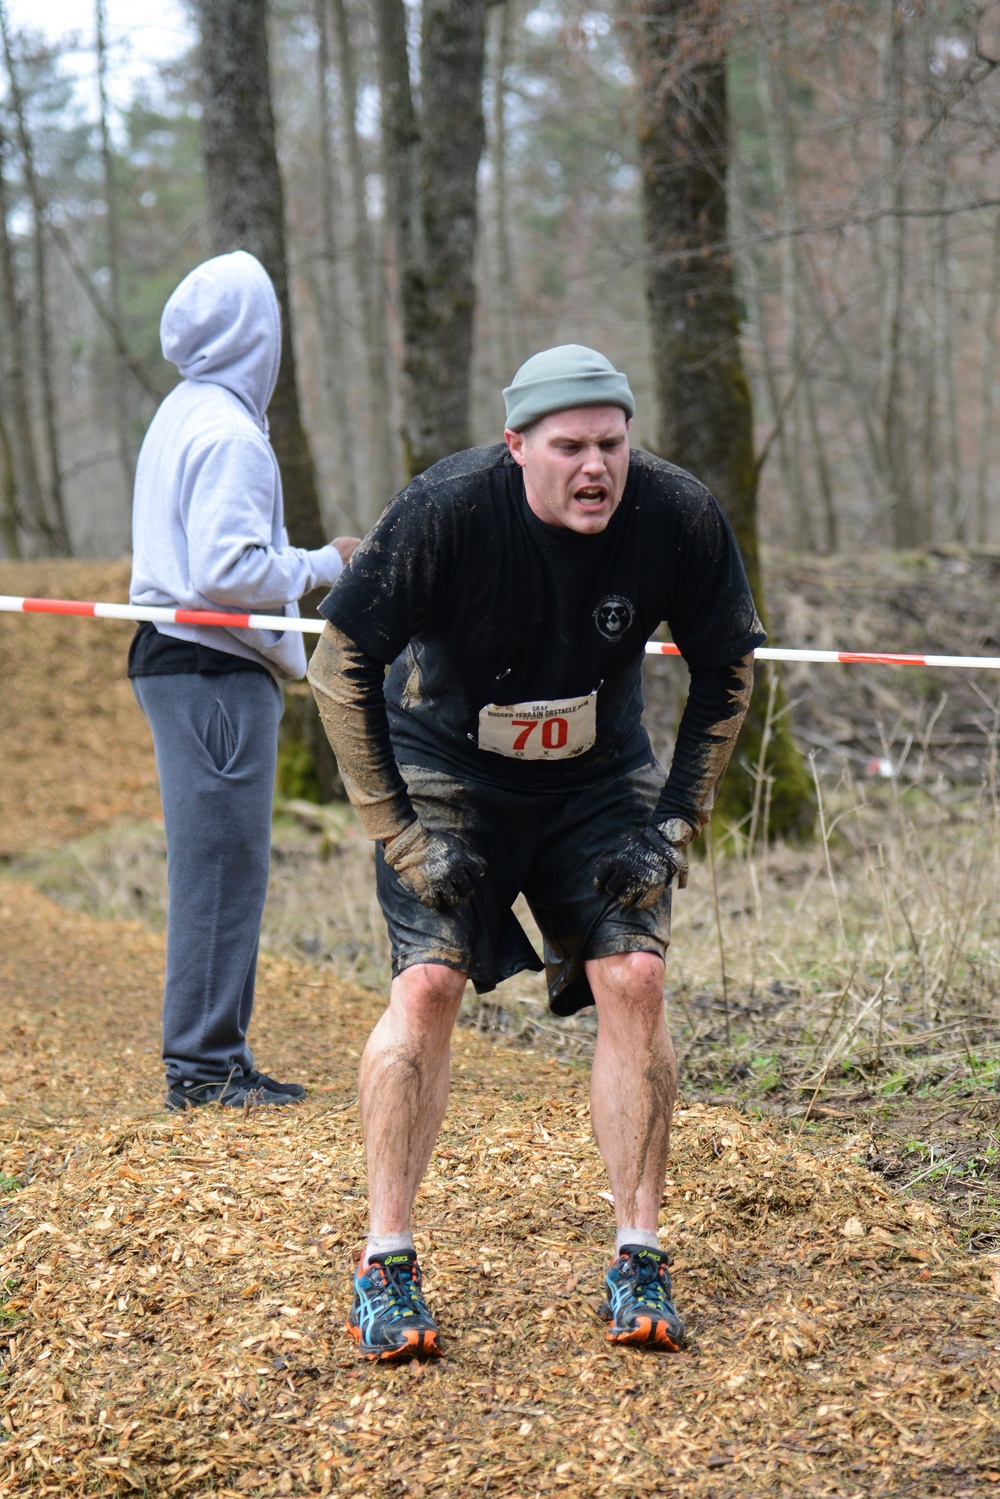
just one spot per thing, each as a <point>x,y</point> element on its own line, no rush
<point>837,1249</point>
<point>864,213</point>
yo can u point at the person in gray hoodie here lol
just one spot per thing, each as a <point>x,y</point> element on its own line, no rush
<point>208,533</point>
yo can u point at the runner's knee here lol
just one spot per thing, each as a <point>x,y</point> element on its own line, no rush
<point>633,971</point>
<point>629,984</point>
<point>425,990</point>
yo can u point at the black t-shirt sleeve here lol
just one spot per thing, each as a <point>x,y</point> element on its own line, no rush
<point>390,589</point>
<point>712,617</point>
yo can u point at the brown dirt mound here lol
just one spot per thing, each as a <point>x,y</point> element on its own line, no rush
<point>74,748</point>
<point>176,1286</point>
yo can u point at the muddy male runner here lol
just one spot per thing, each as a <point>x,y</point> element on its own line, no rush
<point>510,591</point>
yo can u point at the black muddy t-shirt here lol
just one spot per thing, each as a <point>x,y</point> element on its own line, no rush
<point>516,648</point>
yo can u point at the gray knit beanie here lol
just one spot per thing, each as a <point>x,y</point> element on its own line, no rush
<point>559,379</point>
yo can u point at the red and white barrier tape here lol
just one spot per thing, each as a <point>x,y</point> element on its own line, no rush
<point>11,605</point>
<point>141,613</point>
<point>851,658</point>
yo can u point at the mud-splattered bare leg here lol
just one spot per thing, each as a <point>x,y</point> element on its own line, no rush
<point>633,1083</point>
<point>403,1088</point>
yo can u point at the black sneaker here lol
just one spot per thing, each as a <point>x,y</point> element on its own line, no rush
<point>389,1318</point>
<point>639,1305</point>
<point>261,1080</point>
<point>244,1090</point>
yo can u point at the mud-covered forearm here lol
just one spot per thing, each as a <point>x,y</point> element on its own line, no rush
<point>713,715</point>
<point>347,686</point>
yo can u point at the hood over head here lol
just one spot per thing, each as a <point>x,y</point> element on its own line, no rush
<point>222,326</point>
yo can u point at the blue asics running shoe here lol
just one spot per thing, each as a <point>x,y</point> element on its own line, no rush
<point>389,1316</point>
<point>639,1307</point>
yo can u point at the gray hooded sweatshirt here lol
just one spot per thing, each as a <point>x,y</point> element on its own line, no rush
<point>207,524</point>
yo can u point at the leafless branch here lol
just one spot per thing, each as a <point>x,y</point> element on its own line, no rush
<point>103,312</point>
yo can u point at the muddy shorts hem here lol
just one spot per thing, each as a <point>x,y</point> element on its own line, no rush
<point>544,846</point>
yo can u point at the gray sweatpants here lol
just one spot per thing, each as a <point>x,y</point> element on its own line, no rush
<point>215,738</point>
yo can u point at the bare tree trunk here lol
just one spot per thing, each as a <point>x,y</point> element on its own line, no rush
<point>432,164</point>
<point>772,57</point>
<point>989,360</point>
<point>24,496</point>
<point>56,512</point>
<point>119,383</point>
<point>703,397</point>
<point>369,274</point>
<point>337,354</point>
<point>86,283</point>
<point>855,129</point>
<point>828,504</point>
<point>246,212</point>
<point>926,443</point>
<point>756,320</point>
<point>452,59</point>
<point>10,539</point>
<point>895,444</point>
<point>863,386</point>
<point>506,296</point>
<point>860,388</point>
<point>943,351</point>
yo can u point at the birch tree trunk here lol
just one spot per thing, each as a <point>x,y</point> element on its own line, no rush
<point>246,212</point>
<point>431,166</point>
<point>703,397</point>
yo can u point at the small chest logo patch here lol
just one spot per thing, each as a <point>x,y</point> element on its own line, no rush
<point>613,616</point>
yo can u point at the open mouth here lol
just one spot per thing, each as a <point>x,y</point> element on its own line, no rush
<point>590,497</point>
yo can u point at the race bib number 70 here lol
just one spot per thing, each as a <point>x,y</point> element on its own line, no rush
<point>553,730</point>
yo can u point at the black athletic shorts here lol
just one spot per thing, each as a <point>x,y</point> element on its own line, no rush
<point>544,845</point>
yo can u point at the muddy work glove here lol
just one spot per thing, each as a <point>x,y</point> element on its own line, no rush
<point>638,873</point>
<point>438,868</point>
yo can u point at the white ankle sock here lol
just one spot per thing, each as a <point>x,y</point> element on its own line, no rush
<point>646,1238</point>
<point>380,1244</point>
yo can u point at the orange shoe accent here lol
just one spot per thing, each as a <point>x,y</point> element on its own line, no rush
<point>646,1333</point>
<point>417,1345</point>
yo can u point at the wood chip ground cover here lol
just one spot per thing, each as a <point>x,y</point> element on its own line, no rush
<point>174,1288</point>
